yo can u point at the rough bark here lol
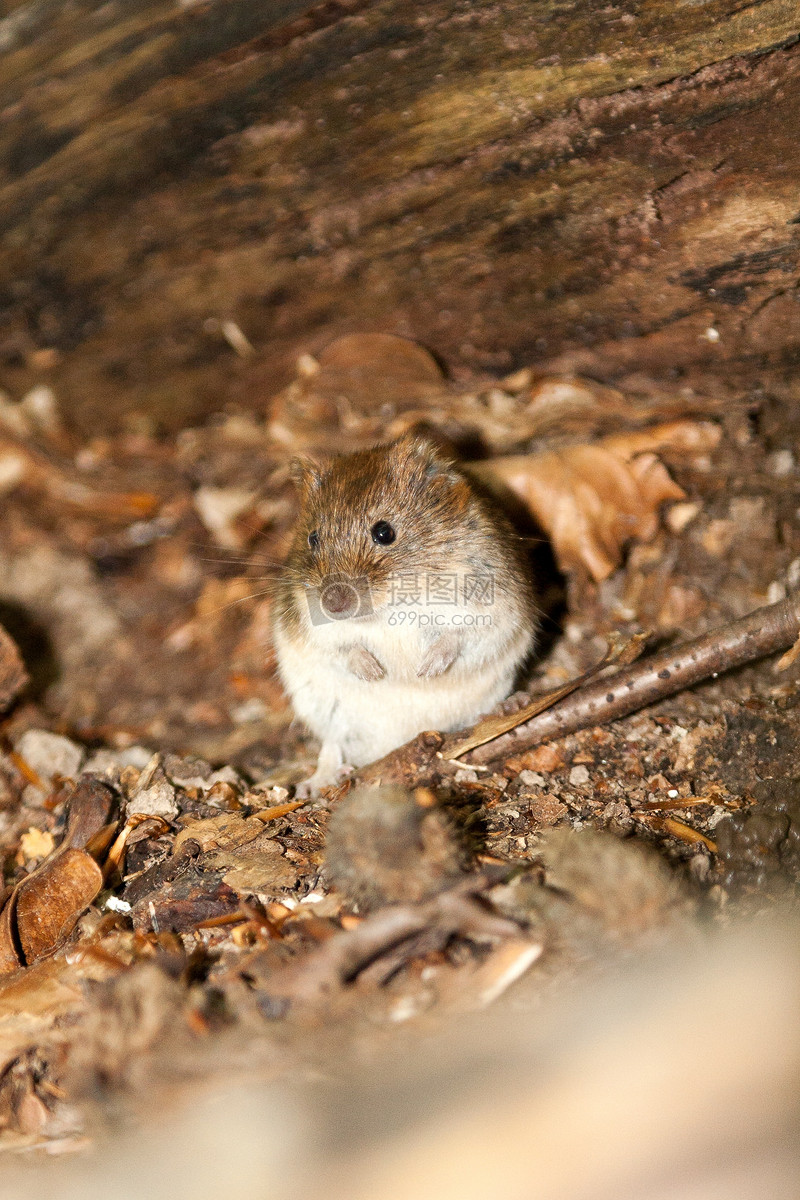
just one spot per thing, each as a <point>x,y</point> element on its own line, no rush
<point>615,188</point>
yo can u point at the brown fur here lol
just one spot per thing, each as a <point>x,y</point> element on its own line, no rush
<point>442,522</point>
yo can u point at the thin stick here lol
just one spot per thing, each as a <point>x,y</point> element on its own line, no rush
<point>490,728</point>
<point>763,632</point>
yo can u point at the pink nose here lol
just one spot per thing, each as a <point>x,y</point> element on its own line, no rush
<point>340,598</point>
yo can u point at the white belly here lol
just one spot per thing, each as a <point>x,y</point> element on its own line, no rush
<point>367,719</point>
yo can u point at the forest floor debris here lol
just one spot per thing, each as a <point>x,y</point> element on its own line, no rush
<point>148,768</point>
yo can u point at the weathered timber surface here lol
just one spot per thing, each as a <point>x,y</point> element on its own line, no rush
<point>614,189</point>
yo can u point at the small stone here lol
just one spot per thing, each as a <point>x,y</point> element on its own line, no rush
<point>781,463</point>
<point>719,814</point>
<point>49,754</point>
<point>154,795</point>
<point>224,775</point>
<point>465,775</point>
<point>678,516</point>
<point>267,797</point>
<point>109,764</point>
<point>579,775</point>
<point>253,709</point>
<point>531,779</point>
<point>187,772</point>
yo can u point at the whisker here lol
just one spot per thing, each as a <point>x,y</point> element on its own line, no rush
<point>228,562</point>
<point>231,603</point>
<point>533,541</point>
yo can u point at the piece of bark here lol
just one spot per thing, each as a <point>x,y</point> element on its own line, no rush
<point>180,904</point>
<point>13,676</point>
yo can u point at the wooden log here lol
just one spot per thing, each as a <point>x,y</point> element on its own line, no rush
<point>613,189</point>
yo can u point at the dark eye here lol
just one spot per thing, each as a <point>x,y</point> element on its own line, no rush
<point>313,540</point>
<point>383,533</point>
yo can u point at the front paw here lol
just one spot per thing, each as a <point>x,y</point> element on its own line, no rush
<point>439,656</point>
<point>362,663</point>
<point>331,771</point>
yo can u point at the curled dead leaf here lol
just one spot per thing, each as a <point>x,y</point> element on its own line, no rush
<point>593,499</point>
<point>224,832</point>
<point>44,907</point>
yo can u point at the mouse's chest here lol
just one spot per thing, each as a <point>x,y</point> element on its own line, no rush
<point>397,642</point>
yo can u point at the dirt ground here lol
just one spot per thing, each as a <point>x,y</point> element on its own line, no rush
<point>174,916</point>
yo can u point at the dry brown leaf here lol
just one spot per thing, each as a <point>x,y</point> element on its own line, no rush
<point>49,902</point>
<point>593,499</point>
<point>682,437</point>
<point>343,395</point>
<point>44,907</point>
<point>13,675</point>
<point>224,832</point>
<point>263,871</point>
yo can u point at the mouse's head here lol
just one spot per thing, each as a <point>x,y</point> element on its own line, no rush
<point>369,517</point>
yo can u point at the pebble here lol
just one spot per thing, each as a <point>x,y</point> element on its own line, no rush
<point>154,795</point>
<point>531,779</point>
<point>49,754</point>
<point>579,775</point>
<point>109,763</point>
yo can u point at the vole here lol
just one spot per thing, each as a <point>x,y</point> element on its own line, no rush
<point>406,602</point>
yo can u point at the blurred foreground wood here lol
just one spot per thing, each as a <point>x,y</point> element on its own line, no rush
<point>679,1079</point>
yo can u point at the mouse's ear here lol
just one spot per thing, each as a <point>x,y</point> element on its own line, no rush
<point>432,449</point>
<point>306,475</point>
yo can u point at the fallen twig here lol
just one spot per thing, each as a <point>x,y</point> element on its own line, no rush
<point>491,727</point>
<point>763,632</point>
<point>344,956</point>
